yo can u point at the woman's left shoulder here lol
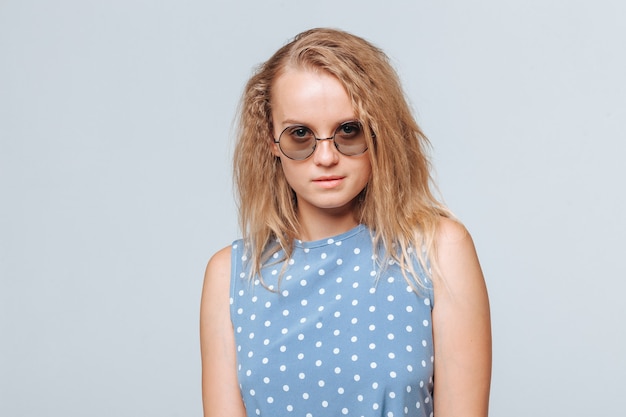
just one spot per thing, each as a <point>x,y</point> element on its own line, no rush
<point>451,231</point>
<point>456,257</point>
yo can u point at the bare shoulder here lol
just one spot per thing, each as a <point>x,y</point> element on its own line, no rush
<point>461,325</point>
<point>456,257</point>
<point>220,389</point>
<point>219,264</point>
<point>450,231</point>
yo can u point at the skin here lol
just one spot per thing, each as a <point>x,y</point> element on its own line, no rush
<point>326,185</point>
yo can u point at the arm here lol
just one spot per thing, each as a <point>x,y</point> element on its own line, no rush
<point>220,388</point>
<point>461,327</point>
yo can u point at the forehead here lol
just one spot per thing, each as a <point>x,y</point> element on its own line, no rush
<point>309,96</point>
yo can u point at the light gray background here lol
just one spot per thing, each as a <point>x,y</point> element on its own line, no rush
<point>115,144</point>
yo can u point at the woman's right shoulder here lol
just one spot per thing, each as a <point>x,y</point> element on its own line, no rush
<point>218,267</point>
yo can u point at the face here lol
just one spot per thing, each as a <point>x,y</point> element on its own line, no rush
<point>328,181</point>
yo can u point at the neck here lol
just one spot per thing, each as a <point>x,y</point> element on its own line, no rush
<point>321,224</point>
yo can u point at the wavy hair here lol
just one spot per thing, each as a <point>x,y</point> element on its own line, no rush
<point>398,203</point>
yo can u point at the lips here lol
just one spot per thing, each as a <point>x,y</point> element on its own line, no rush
<point>328,181</point>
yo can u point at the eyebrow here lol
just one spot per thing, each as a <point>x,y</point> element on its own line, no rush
<point>293,122</point>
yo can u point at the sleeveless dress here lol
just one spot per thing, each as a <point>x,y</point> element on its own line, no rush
<point>337,336</point>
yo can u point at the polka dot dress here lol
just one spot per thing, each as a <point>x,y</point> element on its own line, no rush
<point>332,339</point>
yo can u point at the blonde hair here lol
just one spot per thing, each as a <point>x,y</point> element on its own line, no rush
<point>398,204</point>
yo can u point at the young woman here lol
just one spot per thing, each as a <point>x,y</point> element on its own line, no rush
<point>353,291</point>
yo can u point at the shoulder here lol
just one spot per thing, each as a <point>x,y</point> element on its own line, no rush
<point>217,275</point>
<point>219,262</point>
<point>457,264</point>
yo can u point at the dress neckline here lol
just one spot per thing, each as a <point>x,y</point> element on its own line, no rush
<point>332,240</point>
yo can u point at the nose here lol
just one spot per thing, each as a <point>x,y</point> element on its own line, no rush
<point>325,152</point>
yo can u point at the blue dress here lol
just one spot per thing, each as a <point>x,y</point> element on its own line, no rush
<point>338,336</point>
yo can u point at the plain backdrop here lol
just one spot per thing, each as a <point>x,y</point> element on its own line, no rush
<point>115,186</point>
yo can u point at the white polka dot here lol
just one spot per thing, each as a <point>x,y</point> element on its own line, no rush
<point>375,385</point>
<point>322,291</point>
<point>323,255</point>
<point>427,301</point>
<point>289,408</point>
<point>305,395</point>
<point>359,398</point>
<point>391,355</point>
<point>357,377</point>
<point>340,390</point>
<point>373,365</point>
<point>300,356</point>
<point>337,370</point>
<point>356,268</point>
<point>391,280</point>
<point>409,309</point>
<point>321,383</point>
<point>390,317</point>
<point>266,380</point>
<point>355,285</point>
<point>339,261</point>
<point>390,336</point>
<point>268,304</point>
<point>336,350</point>
<point>270,400</point>
<point>318,344</point>
<point>372,327</point>
<point>344,411</point>
<point>375,406</point>
<point>318,363</point>
<point>355,302</point>
<point>357,251</point>
<point>321,272</point>
<point>252,392</point>
<point>300,336</point>
<point>303,282</point>
<point>301,375</point>
<point>283,348</point>
<point>285,313</point>
<point>425,323</point>
<point>285,293</point>
<point>354,358</point>
<point>330,241</point>
<point>324,403</point>
<point>372,309</point>
<point>265,361</point>
<point>339,280</point>
<point>409,329</point>
<point>390,298</point>
<point>354,320</point>
<point>353,339</point>
<point>392,374</point>
<point>282,368</point>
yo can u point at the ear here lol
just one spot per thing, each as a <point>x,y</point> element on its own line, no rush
<point>275,148</point>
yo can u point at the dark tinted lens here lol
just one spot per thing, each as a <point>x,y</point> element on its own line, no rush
<point>349,139</point>
<point>297,142</point>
